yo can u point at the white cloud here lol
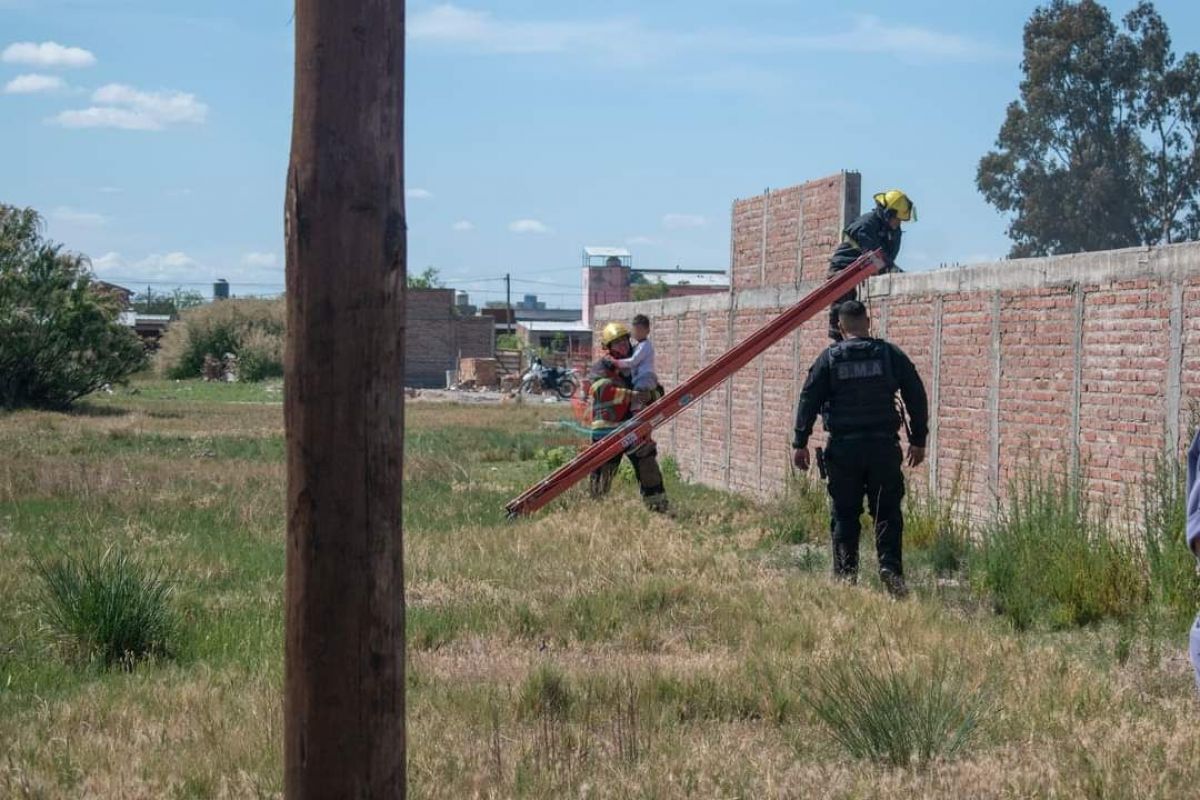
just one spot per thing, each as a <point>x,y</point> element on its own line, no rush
<point>528,226</point>
<point>173,268</point>
<point>260,260</point>
<point>126,108</point>
<point>47,54</point>
<point>626,41</point>
<point>97,117</point>
<point>73,216</point>
<point>34,83</point>
<point>678,221</point>
<point>418,194</point>
<point>641,240</point>
<point>463,225</point>
<point>163,267</point>
<point>110,190</point>
<point>107,263</point>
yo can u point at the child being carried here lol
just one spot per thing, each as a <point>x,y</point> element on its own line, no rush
<point>641,361</point>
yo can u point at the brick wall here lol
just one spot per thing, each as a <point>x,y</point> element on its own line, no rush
<point>784,236</point>
<point>436,337</point>
<point>1089,363</point>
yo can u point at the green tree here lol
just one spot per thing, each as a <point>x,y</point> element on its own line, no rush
<point>60,339</point>
<point>429,279</point>
<point>650,291</point>
<point>1102,150</point>
<point>152,302</point>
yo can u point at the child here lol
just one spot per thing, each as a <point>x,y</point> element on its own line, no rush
<point>641,362</point>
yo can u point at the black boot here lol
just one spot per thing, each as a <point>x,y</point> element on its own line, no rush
<point>894,583</point>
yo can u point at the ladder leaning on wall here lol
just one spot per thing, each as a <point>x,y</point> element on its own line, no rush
<point>637,430</point>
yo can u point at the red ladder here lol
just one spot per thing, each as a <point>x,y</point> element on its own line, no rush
<point>637,430</point>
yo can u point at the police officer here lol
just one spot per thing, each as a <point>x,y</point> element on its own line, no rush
<point>878,229</point>
<point>853,383</point>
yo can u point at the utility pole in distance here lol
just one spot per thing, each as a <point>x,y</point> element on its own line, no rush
<point>508,300</point>
<point>344,733</point>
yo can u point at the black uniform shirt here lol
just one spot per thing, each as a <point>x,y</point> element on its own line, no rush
<point>819,384</point>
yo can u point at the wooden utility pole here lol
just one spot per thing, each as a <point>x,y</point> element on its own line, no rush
<point>344,407</point>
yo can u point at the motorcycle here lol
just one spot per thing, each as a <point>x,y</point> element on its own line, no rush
<point>562,381</point>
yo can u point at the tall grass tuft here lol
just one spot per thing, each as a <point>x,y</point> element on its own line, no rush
<point>800,514</point>
<point>546,692</point>
<point>113,609</point>
<point>1170,567</point>
<point>906,717</point>
<point>938,526</point>
<point>1048,556</point>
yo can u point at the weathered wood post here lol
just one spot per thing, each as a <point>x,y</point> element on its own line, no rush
<point>344,734</point>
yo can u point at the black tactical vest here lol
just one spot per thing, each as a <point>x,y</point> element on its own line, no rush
<point>862,398</point>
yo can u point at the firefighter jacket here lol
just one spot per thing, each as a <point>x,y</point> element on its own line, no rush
<point>611,400</point>
<point>868,232</point>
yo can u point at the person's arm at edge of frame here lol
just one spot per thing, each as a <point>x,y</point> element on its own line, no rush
<point>1192,531</point>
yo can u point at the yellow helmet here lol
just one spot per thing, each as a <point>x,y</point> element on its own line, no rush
<point>613,331</point>
<point>898,202</point>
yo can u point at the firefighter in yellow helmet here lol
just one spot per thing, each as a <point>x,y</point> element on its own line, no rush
<point>612,395</point>
<point>879,228</point>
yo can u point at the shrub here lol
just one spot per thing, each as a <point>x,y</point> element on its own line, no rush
<point>260,356</point>
<point>670,467</point>
<point>938,526</point>
<point>60,337</point>
<point>547,692</point>
<point>800,514</point>
<point>251,329</point>
<point>903,717</point>
<point>554,457</point>
<point>112,609</point>
<point>1170,566</point>
<point>1047,555</point>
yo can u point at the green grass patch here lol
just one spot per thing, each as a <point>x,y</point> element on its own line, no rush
<point>113,609</point>
<point>1047,557</point>
<point>901,716</point>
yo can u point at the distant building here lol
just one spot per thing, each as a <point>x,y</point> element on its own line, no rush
<point>125,296</point>
<point>609,277</point>
<point>558,337</point>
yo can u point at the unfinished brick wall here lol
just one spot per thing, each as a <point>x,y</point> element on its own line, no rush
<point>436,336</point>
<point>784,236</point>
<point>1089,364</point>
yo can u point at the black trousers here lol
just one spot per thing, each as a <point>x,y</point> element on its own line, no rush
<point>869,468</point>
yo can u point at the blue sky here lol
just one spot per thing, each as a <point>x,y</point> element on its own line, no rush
<point>153,136</point>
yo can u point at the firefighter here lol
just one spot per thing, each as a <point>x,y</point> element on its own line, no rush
<point>612,395</point>
<point>878,228</point>
<point>853,383</point>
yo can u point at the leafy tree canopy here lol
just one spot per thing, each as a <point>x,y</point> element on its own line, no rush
<point>1102,149</point>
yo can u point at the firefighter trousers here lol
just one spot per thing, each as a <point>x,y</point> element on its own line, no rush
<point>644,458</point>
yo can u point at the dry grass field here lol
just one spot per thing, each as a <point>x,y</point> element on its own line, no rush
<point>596,650</point>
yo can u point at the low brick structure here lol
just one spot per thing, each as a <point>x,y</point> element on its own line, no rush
<point>437,337</point>
<point>480,372</point>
